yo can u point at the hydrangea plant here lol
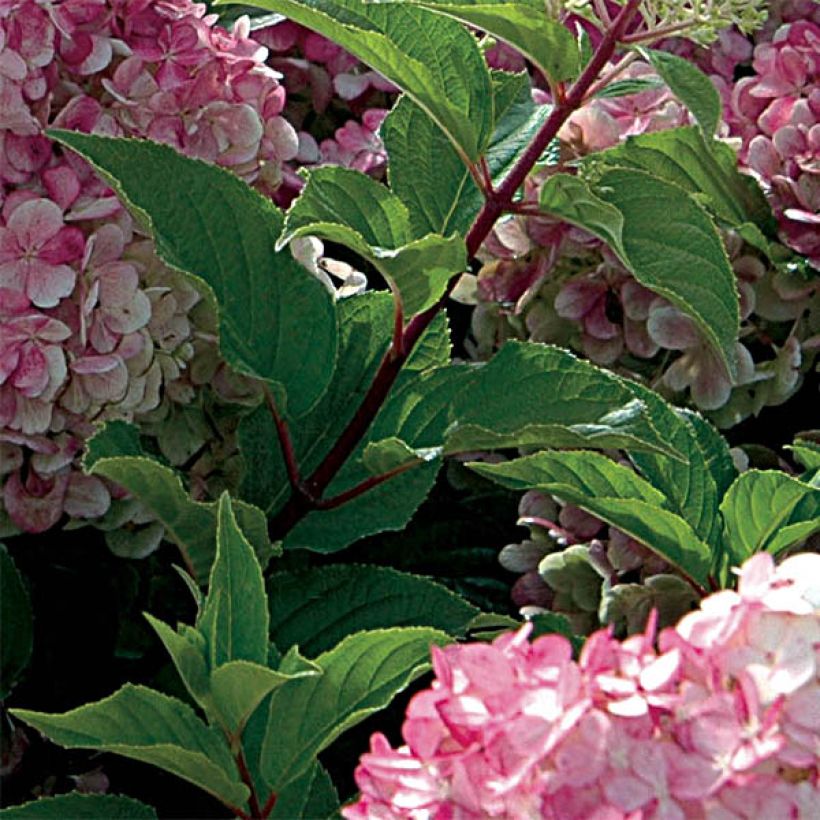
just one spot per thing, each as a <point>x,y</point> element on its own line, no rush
<point>349,400</point>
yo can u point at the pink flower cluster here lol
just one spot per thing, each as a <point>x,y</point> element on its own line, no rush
<point>329,92</point>
<point>776,112</point>
<point>92,326</point>
<point>721,720</point>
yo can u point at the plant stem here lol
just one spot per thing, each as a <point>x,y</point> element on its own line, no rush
<point>496,203</point>
<point>285,443</point>
<point>244,773</point>
<point>362,487</point>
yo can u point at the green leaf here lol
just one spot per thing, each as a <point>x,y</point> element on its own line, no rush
<point>690,484</point>
<point>613,493</point>
<point>524,25</point>
<point>380,457</point>
<point>807,452</point>
<point>188,651</point>
<point>76,806</point>
<point>366,329</point>
<point>16,626</point>
<point>560,401</point>
<point>310,796</point>
<point>352,209</point>
<point>434,60</point>
<point>317,608</point>
<point>768,510</point>
<point>191,525</point>
<point>234,617</point>
<point>623,88</point>
<point>416,412</point>
<point>703,167</point>
<point>146,725</point>
<point>685,261</point>
<point>238,687</point>
<point>276,320</point>
<point>690,85</point>
<point>426,172</point>
<point>572,199</point>
<point>362,674</point>
<point>365,325</point>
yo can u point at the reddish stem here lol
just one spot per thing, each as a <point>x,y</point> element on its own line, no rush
<point>244,773</point>
<point>497,202</point>
<point>362,487</point>
<point>285,442</point>
<point>269,806</point>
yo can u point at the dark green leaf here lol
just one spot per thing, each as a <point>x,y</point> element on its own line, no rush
<point>352,209</point>
<point>560,400</point>
<point>191,525</point>
<point>703,167</point>
<point>572,199</point>
<point>76,806</point>
<point>768,510</point>
<point>427,174</point>
<point>238,687</point>
<point>523,24</point>
<point>615,494</point>
<point>623,88</point>
<point>145,725</point>
<point>234,617</point>
<point>277,321</point>
<point>690,85</point>
<point>685,262</point>
<point>416,412</point>
<point>16,626</point>
<point>316,608</point>
<point>310,796</point>
<point>435,60</point>
<point>362,674</point>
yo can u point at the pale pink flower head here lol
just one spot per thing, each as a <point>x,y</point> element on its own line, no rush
<point>35,247</point>
<point>514,729</point>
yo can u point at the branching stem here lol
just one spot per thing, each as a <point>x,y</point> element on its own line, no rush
<point>495,204</point>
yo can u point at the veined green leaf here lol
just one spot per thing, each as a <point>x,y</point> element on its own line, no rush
<point>417,413</point>
<point>146,725</point>
<point>523,24</point>
<point>701,166</point>
<point>348,207</point>
<point>362,674</point>
<point>238,687</point>
<point>310,796</point>
<point>622,88</point>
<point>78,806</point>
<point>317,608</point>
<point>691,485</point>
<point>276,320</point>
<point>690,85</point>
<point>560,401</point>
<point>16,625</point>
<point>768,510</point>
<point>807,452</point>
<point>434,60</point>
<point>685,262</point>
<point>615,494</point>
<point>188,651</point>
<point>571,198</point>
<point>366,328</point>
<point>380,457</point>
<point>426,172</point>
<point>191,525</point>
<point>234,617</point>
